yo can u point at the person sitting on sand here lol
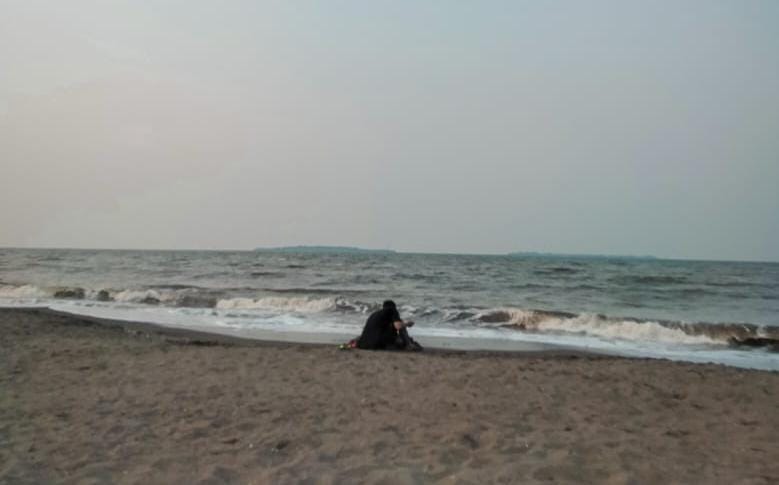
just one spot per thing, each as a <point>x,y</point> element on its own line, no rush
<point>385,330</point>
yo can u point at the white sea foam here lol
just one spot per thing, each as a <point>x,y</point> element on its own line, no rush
<point>22,292</point>
<point>518,316</point>
<point>275,303</point>
<point>596,326</point>
<point>133,296</point>
<point>622,329</point>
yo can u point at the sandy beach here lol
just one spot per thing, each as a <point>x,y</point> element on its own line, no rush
<point>84,401</point>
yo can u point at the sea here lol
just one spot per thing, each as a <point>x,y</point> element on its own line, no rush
<point>682,310</point>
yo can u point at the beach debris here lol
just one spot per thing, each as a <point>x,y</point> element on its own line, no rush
<point>472,442</point>
<point>677,433</point>
<point>278,447</point>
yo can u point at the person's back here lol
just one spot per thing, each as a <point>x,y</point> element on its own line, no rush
<point>379,331</point>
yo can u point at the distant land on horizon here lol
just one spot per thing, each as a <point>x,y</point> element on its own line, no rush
<point>535,254</point>
<point>326,249</point>
<point>358,250</point>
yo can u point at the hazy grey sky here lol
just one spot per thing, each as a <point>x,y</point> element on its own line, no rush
<point>638,127</point>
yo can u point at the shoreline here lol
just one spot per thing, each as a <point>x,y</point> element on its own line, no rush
<point>270,337</point>
<point>737,356</point>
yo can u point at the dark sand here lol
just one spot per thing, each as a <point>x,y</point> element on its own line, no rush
<point>89,402</point>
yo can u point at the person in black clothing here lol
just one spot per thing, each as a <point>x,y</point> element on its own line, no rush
<point>385,330</point>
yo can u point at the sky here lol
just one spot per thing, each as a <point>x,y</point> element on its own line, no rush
<point>609,127</point>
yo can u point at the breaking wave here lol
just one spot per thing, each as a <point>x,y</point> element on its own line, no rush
<point>283,301</point>
<point>172,295</point>
<point>700,333</point>
<point>22,292</point>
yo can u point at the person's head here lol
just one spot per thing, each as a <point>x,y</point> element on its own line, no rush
<point>389,306</point>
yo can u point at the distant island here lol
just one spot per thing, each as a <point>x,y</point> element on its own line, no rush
<point>519,254</point>
<point>325,250</point>
<point>533,254</point>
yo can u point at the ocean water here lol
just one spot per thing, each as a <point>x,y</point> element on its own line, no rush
<point>683,310</point>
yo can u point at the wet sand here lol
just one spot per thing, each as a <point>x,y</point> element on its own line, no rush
<point>85,401</point>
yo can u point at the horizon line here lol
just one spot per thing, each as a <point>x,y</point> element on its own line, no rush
<point>440,253</point>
